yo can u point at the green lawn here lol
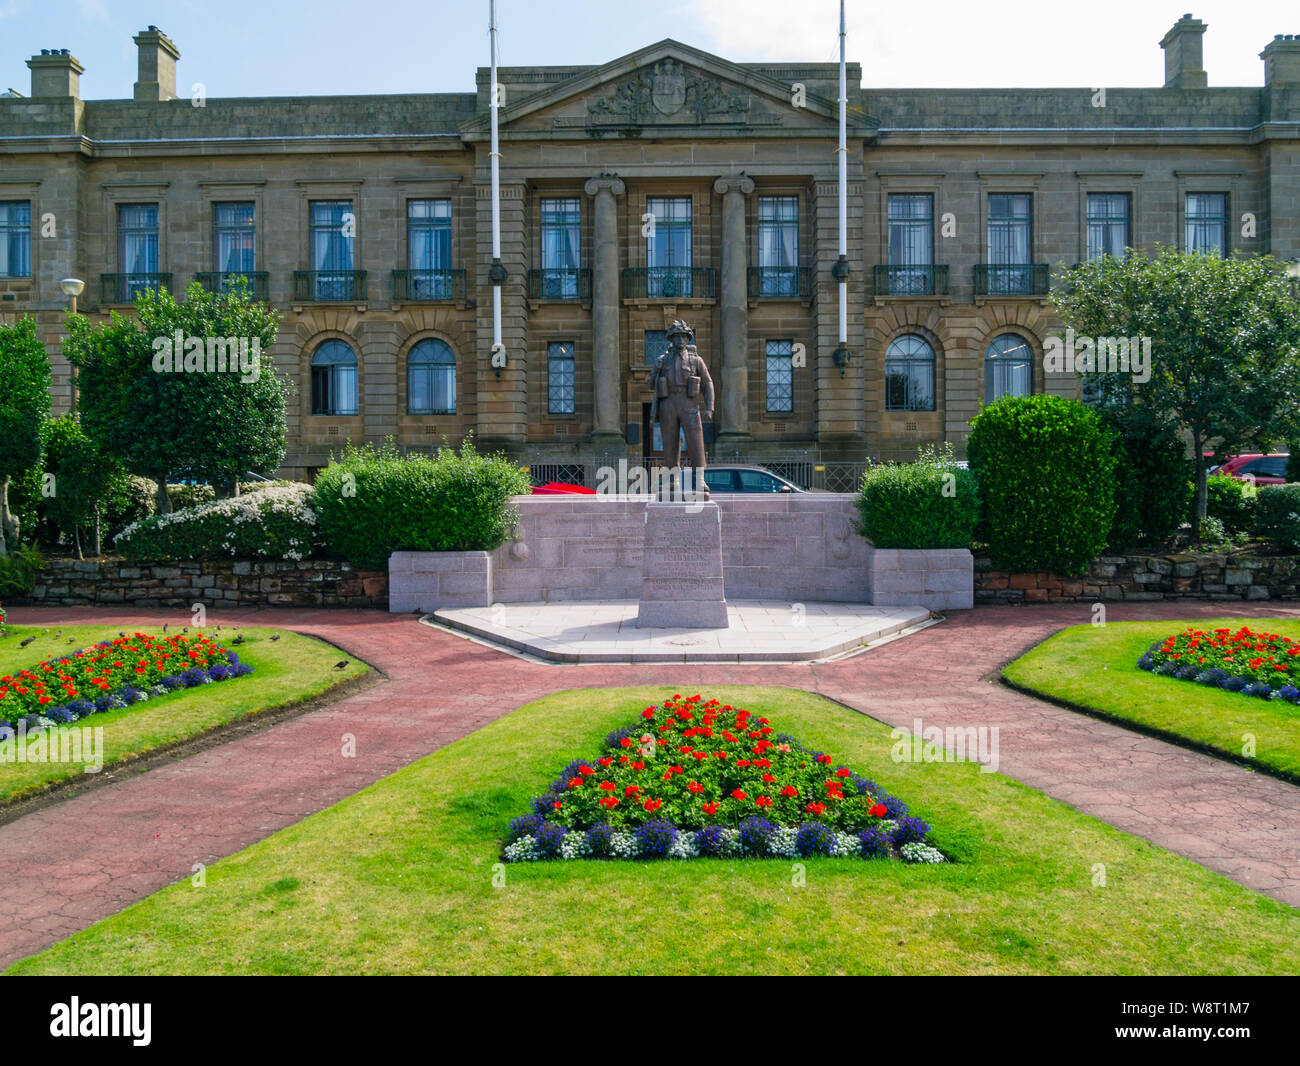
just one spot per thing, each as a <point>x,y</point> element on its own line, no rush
<point>1095,667</point>
<point>287,671</point>
<point>399,879</point>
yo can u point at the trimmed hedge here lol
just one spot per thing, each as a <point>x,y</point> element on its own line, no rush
<point>373,501</point>
<point>1278,515</point>
<point>1152,493</point>
<point>1232,502</point>
<point>931,503</point>
<point>1046,478</point>
<point>276,522</point>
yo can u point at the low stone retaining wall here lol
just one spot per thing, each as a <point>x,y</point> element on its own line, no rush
<point>235,583</point>
<point>1183,576</point>
<point>792,547</point>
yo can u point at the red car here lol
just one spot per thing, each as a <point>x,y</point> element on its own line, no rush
<point>1263,469</point>
<point>561,488</point>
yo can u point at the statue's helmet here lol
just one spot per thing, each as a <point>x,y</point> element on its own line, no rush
<point>680,328</point>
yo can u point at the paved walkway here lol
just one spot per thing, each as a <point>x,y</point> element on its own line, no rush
<point>67,865</point>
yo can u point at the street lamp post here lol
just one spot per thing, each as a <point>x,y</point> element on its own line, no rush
<point>72,289</point>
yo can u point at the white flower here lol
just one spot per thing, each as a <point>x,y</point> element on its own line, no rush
<point>919,852</point>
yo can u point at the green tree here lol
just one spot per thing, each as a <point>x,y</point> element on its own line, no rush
<point>24,410</point>
<point>82,480</point>
<point>1225,345</point>
<point>165,409</point>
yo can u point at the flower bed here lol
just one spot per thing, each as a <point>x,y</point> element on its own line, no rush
<point>111,675</point>
<point>1264,665</point>
<point>697,778</point>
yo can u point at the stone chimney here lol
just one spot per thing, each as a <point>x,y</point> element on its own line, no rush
<point>1281,58</point>
<point>1184,66</point>
<point>55,73</point>
<point>157,77</point>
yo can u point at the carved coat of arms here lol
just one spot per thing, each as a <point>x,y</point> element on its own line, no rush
<point>669,89</point>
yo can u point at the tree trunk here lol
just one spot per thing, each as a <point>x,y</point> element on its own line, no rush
<point>1201,490</point>
<point>76,540</point>
<point>99,545</point>
<point>8,522</point>
<point>164,501</point>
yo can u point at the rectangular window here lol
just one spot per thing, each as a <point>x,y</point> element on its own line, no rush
<point>561,247</point>
<point>778,245</point>
<point>1207,223</point>
<point>15,239</point>
<point>1109,224</point>
<point>1010,243</point>
<point>560,388</point>
<point>780,377</point>
<point>668,247</point>
<point>137,248</point>
<point>428,249</point>
<point>911,244</point>
<point>656,343</point>
<point>333,229</point>
<point>234,238</point>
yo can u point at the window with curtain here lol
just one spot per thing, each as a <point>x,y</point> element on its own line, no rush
<point>334,379</point>
<point>909,374</point>
<point>137,238</point>
<point>561,246</point>
<point>911,243</point>
<point>428,249</point>
<point>1010,243</point>
<point>431,378</point>
<point>332,236</point>
<point>668,249</point>
<point>561,390</point>
<point>234,240</point>
<point>1207,223</point>
<point>1008,367</point>
<point>15,239</point>
<point>780,376</point>
<point>778,245</point>
<point>1109,224</point>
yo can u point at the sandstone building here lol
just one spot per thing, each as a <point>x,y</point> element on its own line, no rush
<point>668,183</point>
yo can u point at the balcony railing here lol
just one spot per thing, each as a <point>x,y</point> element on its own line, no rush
<point>228,281</point>
<point>1011,279</point>
<point>329,286</point>
<point>428,286</point>
<point>126,288</point>
<point>654,283</point>
<point>894,280</point>
<point>559,283</point>
<point>780,283</point>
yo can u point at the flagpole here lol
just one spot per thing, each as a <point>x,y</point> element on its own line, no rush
<point>496,273</point>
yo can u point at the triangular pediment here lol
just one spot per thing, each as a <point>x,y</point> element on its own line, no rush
<point>664,88</point>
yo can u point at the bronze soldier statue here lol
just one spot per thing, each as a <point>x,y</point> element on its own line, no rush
<point>677,380</point>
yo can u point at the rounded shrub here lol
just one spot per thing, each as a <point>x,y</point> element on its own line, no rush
<point>1152,491</point>
<point>931,503</point>
<point>373,501</point>
<point>1232,502</point>
<point>274,523</point>
<point>1046,482</point>
<point>1277,515</point>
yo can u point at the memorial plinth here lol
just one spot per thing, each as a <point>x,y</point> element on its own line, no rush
<point>681,569</point>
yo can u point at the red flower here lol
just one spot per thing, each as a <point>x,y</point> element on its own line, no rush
<point>586,771</point>
<point>626,742</point>
<point>608,786</point>
<point>710,808</point>
<point>574,782</point>
<point>763,801</point>
<point>790,791</point>
<point>609,802</point>
<point>823,758</point>
<point>843,771</point>
<point>738,794</point>
<point>632,790</point>
<point>649,712</point>
<point>879,810</point>
<point>653,805</point>
<point>638,765</point>
<point>694,786</point>
<point>557,805</point>
<point>815,808</point>
<point>768,779</point>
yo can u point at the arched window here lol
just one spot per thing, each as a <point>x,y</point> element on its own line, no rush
<point>909,374</point>
<point>431,378</point>
<point>334,379</point>
<point>1008,367</point>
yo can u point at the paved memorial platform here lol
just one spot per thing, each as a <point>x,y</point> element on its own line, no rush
<point>757,631</point>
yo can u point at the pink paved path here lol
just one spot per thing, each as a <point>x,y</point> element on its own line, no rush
<point>67,865</point>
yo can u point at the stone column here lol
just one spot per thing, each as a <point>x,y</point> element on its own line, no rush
<point>734,292</point>
<point>607,372</point>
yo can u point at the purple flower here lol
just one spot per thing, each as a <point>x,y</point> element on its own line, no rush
<point>910,829</point>
<point>814,838</point>
<point>655,837</point>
